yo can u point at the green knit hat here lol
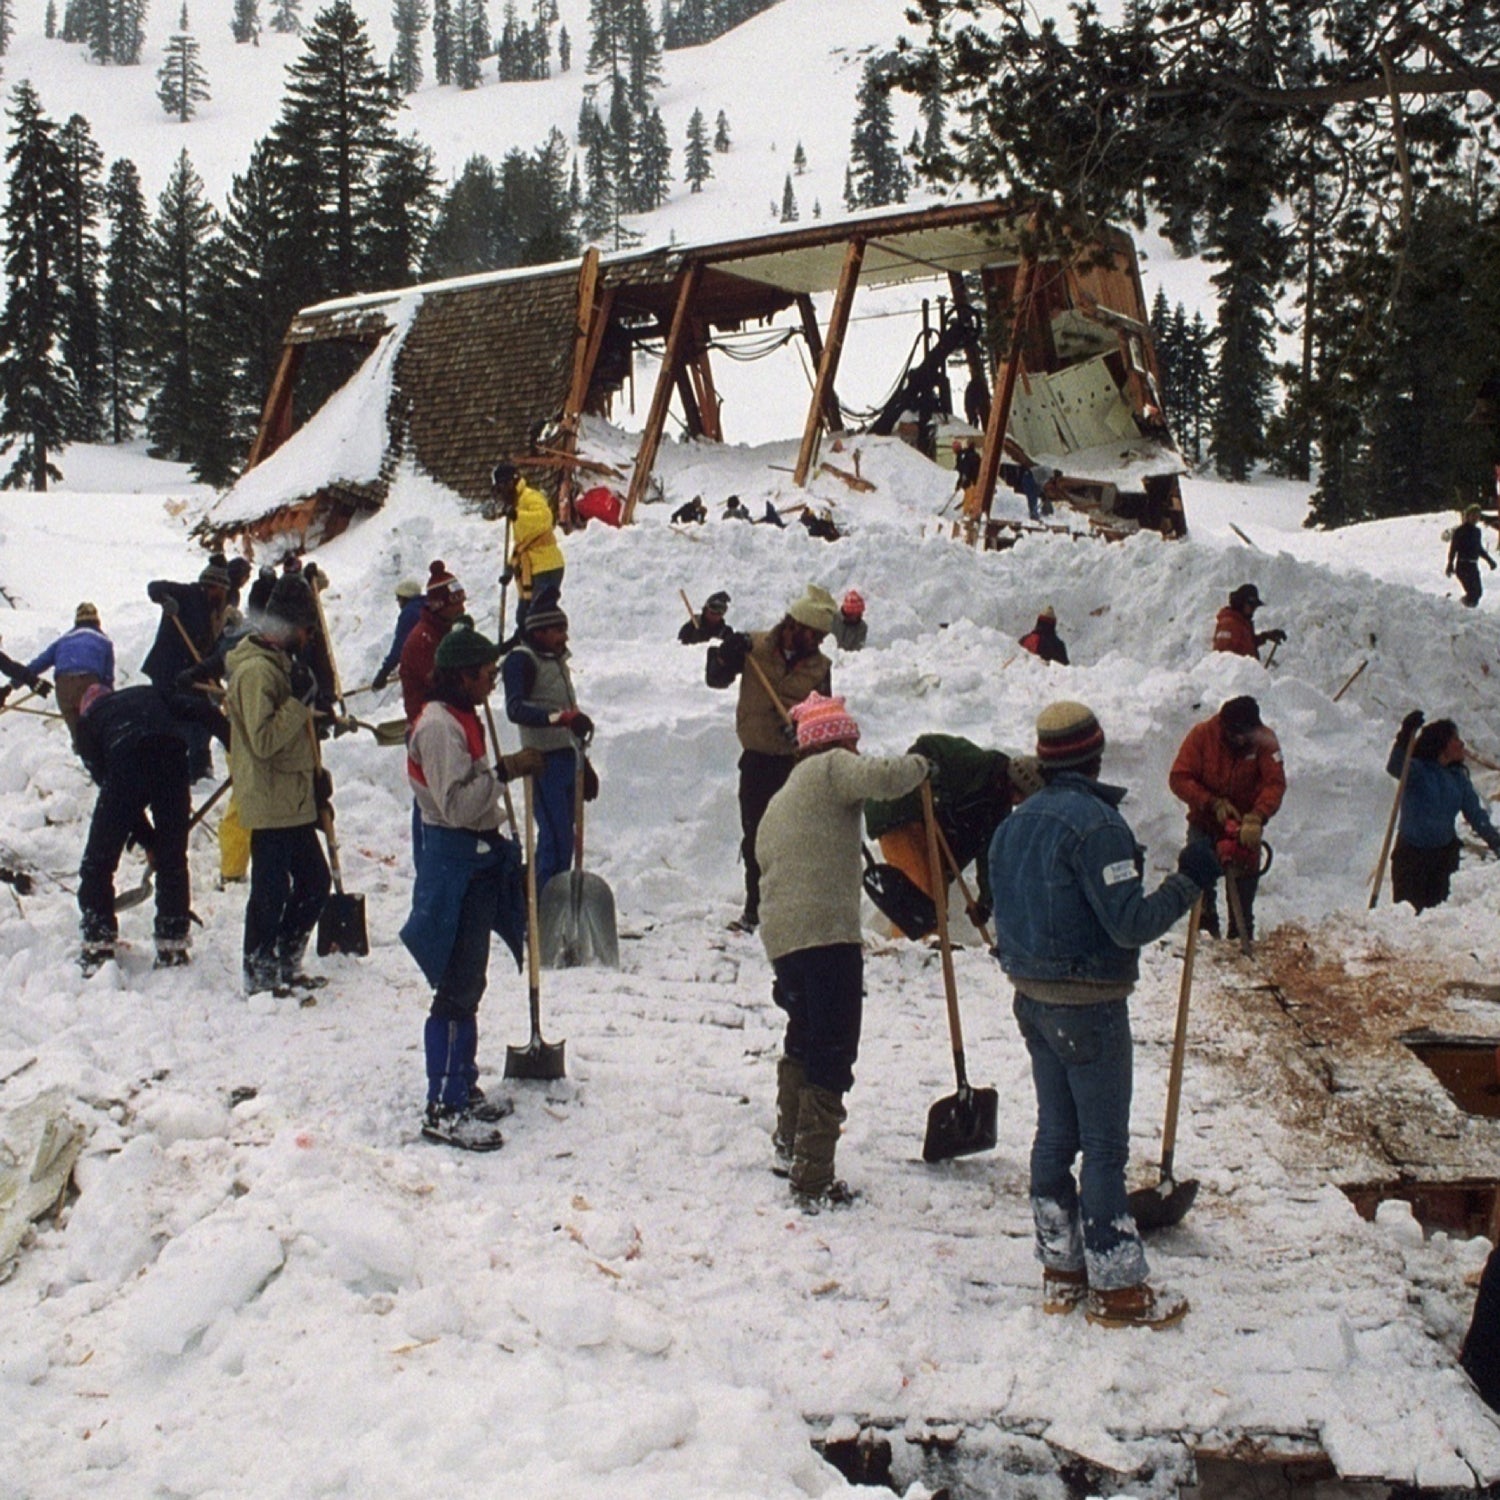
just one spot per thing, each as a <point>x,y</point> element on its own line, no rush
<point>463,647</point>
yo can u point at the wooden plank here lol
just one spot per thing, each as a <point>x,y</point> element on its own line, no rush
<point>703,384</point>
<point>578,384</point>
<point>838,326</point>
<point>994,433</point>
<point>661,397</point>
<point>276,419</point>
<point>833,416</point>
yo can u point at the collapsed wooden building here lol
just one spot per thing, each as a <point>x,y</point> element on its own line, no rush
<point>1058,353</point>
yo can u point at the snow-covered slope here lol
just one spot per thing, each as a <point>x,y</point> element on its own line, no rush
<point>269,1286</point>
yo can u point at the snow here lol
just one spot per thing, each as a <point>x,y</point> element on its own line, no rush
<point>268,1284</point>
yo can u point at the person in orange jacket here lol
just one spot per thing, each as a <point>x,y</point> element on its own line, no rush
<point>1234,629</point>
<point>1229,772</point>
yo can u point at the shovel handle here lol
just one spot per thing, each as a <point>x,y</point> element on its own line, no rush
<point>213,797</point>
<point>771,693</point>
<point>325,814</point>
<point>963,884</point>
<point>687,604</point>
<point>1390,825</point>
<point>333,666</point>
<point>510,809</point>
<point>945,947</point>
<point>1179,1044</point>
<point>187,640</point>
<point>500,615</point>
<point>533,936</point>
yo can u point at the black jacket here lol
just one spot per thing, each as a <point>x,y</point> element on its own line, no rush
<point>169,653</point>
<point>136,721</point>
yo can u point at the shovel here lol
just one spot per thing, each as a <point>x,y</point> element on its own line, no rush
<point>577,908</point>
<point>898,898</point>
<point>537,1059</point>
<point>341,923</point>
<point>1167,1203</point>
<point>964,1122</point>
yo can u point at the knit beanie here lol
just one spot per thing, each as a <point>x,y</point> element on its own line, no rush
<point>441,583</point>
<point>1067,736</point>
<point>86,614</point>
<point>1025,775</point>
<point>238,571</point>
<point>463,646</point>
<point>823,721</point>
<point>1246,595</point>
<point>1049,615</point>
<point>852,604</point>
<point>408,588</point>
<point>216,574</point>
<point>1240,715</point>
<point>815,609</point>
<point>292,603</point>
<point>718,602</point>
<point>546,616</point>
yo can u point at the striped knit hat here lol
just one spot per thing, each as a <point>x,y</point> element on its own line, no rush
<point>823,721</point>
<point>1067,736</point>
<point>441,584</point>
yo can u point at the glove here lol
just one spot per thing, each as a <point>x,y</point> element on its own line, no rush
<point>304,683</point>
<point>734,650</point>
<point>1410,725</point>
<point>979,912</point>
<point>42,686</point>
<point>1224,810</point>
<point>1276,637</point>
<point>1250,831</point>
<point>590,782</point>
<point>5,693</point>
<point>323,788</point>
<point>343,725</point>
<point>1491,563</point>
<point>789,732</point>
<point>1448,571</point>
<point>378,682</point>
<point>169,606</point>
<point>527,762</point>
<point>1200,864</point>
<point>507,578</point>
<point>577,723</point>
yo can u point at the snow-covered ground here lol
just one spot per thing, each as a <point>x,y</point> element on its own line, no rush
<point>268,1285</point>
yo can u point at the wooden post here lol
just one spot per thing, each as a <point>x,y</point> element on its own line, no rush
<point>661,397</point>
<point>584,342</point>
<point>703,384</point>
<point>833,417</point>
<point>994,432</point>
<point>276,420</point>
<point>972,352</point>
<point>838,325</point>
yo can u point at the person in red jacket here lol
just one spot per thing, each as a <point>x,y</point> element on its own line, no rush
<point>444,604</point>
<point>1229,772</point>
<point>1234,630</point>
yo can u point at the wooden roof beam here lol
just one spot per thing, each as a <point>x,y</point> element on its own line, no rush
<point>995,429</point>
<point>833,347</point>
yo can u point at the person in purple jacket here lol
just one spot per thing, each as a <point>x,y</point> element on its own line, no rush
<point>78,660</point>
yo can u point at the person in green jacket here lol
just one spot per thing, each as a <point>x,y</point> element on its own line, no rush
<point>973,791</point>
<point>280,789</point>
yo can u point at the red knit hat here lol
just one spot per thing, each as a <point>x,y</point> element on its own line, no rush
<point>823,721</point>
<point>440,582</point>
<point>853,604</point>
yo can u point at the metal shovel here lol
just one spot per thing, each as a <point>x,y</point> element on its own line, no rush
<point>537,1059</point>
<point>964,1122</point>
<point>341,923</point>
<point>1167,1203</point>
<point>577,908</point>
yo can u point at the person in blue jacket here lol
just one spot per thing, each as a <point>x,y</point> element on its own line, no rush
<point>1071,915</point>
<point>468,881</point>
<point>78,660</point>
<point>1437,790</point>
<point>409,602</point>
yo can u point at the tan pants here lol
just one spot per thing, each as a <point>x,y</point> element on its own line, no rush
<point>71,686</point>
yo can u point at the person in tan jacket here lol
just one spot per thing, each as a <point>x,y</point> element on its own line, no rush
<point>809,849</point>
<point>280,789</point>
<point>790,660</point>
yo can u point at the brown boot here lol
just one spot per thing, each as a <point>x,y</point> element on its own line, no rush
<point>1135,1307</point>
<point>820,1113</point>
<point>790,1078</point>
<point>1062,1291</point>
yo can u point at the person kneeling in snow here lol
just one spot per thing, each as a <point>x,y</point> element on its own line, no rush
<point>1070,919</point>
<point>468,882</point>
<point>808,847</point>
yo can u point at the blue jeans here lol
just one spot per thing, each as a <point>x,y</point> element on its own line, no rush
<point>554,815</point>
<point>1081,1065</point>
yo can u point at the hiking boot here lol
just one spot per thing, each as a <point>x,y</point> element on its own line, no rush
<point>460,1128</point>
<point>837,1194</point>
<point>747,921</point>
<point>490,1111</point>
<point>1135,1307</point>
<point>820,1113</point>
<point>1062,1291</point>
<point>93,957</point>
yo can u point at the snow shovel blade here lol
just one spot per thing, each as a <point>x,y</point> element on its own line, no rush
<point>577,920</point>
<point>537,1059</point>
<point>134,895</point>
<point>961,1124</point>
<point>899,899</point>
<point>341,926</point>
<point>1162,1206</point>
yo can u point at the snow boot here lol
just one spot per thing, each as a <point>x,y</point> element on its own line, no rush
<point>290,973</point>
<point>1135,1307</point>
<point>790,1079</point>
<point>461,1128</point>
<point>746,922</point>
<point>820,1113</point>
<point>1062,1291</point>
<point>172,953</point>
<point>263,976</point>
<point>93,956</point>
<point>491,1111</point>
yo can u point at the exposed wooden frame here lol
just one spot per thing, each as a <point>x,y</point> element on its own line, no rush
<point>833,415</point>
<point>276,417</point>
<point>703,384</point>
<point>972,353</point>
<point>661,397</point>
<point>1005,388</point>
<point>587,335</point>
<point>833,347</point>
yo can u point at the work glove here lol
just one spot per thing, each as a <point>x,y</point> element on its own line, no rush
<point>169,606</point>
<point>576,722</point>
<point>1224,810</point>
<point>979,912</point>
<point>734,650</point>
<point>42,686</point>
<point>590,782</point>
<point>378,682</point>
<point>5,692</point>
<point>1410,725</point>
<point>186,681</point>
<point>304,683</point>
<point>1250,831</point>
<point>342,725</point>
<point>1274,636</point>
<point>1200,864</point>
<point>527,762</point>
<point>1491,562</point>
<point>1448,571</point>
<point>323,788</point>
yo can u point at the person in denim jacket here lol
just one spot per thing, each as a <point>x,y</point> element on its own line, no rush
<point>1071,915</point>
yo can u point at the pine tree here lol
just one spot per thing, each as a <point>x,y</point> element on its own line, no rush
<point>879,176</point>
<point>75,21</point>
<point>652,168</point>
<point>479,36</point>
<point>788,202</point>
<point>817,209</point>
<point>96,29</point>
<point>466,233</point>
<point>643,48</point>
<point>125,292</point>
<point>49,25</point>
<point>799,161</point>
<point>8,25</point>
<point>697,164</point>
<point>244,25</point>
<point>608,53</point>
<point>466,56</point>
<point>564,51</point>
<point>721,133</point>
<point>177,275</point>
<point>38,395</point>
<point>402,207</point>
<point>128,31</point>
<point>442,41</point>
<point>286,17</point>
<point>409,17</point>
<point>183,84</point>
<point>78,275</point>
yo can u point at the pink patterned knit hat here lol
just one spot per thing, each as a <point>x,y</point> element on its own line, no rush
<point>823,721</point>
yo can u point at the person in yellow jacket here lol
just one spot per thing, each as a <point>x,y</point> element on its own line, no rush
<point>535,561</point>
